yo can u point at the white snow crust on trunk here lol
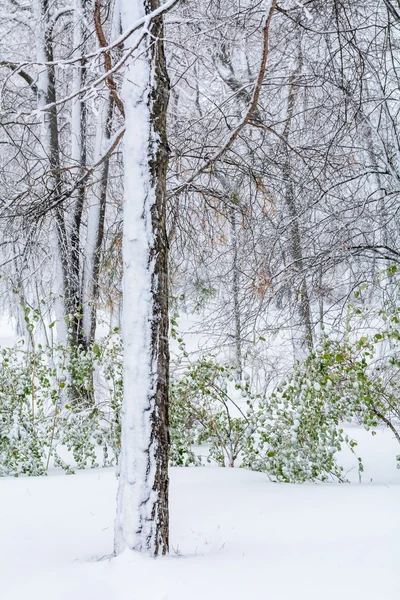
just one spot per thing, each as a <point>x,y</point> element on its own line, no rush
<point>43,79</point>
<point>93,221</point>
<point>57,285</point>
<point>92,230</point>
<point>136,498</point>
<point>76,140</point>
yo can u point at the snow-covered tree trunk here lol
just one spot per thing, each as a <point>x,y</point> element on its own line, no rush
<point>78,155</point>
<point>236,289</point>
<point>304,305</point>
<point>95,227</point>
<point>51,159</point>
<point>142,504</point>
<point>97,206</point>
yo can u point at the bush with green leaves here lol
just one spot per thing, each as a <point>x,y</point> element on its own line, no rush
<point>61,402</point>
<point>356,378</point>
<point>24,388</point>
<point>47,406</point>
<point>300,432</point>
<point>211,405</point>
<point>353,378</point>
<point>293,435</point>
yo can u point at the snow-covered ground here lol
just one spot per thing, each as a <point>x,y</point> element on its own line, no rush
<point>235,536</point>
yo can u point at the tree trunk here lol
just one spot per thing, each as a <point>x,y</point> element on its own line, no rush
<point>294,226</point>
<point>79,142</point>
<point>236,291</point>
<point>95,230</point>
<point>142,521</point>
<point>51,156</point>
<point>97,209</point>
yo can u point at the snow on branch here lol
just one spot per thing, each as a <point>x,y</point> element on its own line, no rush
<point>142,22</point>
<point>252,106</point>
<point>105,49</point>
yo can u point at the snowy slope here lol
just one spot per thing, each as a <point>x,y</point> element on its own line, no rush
<point>234,536</point>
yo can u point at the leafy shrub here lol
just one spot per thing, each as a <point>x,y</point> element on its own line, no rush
<point>207,408</point>
<point>52,399</point>
<point>46,402</point>
<point>293,435</point>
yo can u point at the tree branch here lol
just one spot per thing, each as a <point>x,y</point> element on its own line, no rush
<point>107,57</point>
<point>16,68</point>
<point>251,109</point>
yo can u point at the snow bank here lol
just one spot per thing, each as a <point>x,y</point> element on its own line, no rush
<point>234,536</point>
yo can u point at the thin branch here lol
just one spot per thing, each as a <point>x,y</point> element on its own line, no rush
<point>392,10</point>
<point>387,422</point>
<point>107,57</point>
<point>250,111</point>
<point>16,69</point>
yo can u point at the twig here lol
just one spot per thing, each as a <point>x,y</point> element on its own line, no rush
<point>250,111</point>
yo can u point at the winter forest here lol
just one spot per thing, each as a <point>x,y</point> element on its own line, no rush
<point>199,299</point>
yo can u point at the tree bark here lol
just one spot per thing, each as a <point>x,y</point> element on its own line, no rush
<point>95,236</point>
<point>79,156</point>
<point>97,211</point>
<point>236,291</point>
<point>46,94</point>
<point>294,227</point>
<point>142,521</point>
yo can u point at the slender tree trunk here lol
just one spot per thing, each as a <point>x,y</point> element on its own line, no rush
<point>294,227</point>
<point>78,130</point>
<point>142,520</point>
<point>67,239</point>
<point>51,154</point>
<point>55,165</point>
<point>95,233</point>
<point>235,292</point>
<point>97,210</point>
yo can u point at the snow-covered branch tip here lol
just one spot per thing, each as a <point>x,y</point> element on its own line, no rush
<point>18,70</point>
